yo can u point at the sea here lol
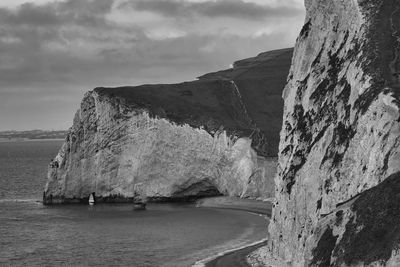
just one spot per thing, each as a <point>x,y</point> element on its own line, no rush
<point>32,234</point>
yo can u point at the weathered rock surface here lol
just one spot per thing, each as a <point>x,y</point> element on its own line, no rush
<point>340,137</point>
<point>175,141</point>
<point>364,230</point>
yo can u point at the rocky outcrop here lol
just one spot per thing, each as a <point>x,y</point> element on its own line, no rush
<point>340,137</point>
<point>176,141</point>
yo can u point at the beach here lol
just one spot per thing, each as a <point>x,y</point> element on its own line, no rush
<point>236,256</point>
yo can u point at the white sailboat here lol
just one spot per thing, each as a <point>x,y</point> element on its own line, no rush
<point>91,199</point>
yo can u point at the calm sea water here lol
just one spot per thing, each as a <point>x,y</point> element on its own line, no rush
<point>103,235</point>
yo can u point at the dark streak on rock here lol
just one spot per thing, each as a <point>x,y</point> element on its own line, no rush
<point>322,253</point>
<point>379,50</point>
<point>342,135</point>
<point>319,204</point>
<point>339,217</point>
<point>318,57</point>
<point>306,29</point>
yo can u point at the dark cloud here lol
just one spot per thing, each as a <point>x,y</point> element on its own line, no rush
<point>29,14</point>
<point>85,12</point>
<point>219,8</point>
<point>169,8</point>
<point>82,12</point>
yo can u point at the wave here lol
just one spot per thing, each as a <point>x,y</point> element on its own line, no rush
<point>203,262</point>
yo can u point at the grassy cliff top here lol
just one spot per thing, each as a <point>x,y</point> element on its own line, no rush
<point>244,100</point>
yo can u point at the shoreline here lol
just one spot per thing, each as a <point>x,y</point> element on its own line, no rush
<point>250,205</point>
<point>21,140</point>
<point>236,256</point>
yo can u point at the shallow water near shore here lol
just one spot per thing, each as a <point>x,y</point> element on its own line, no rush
<point>104,235</point>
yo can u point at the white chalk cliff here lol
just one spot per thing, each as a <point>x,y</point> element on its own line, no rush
<point>176,141</point>
<point>338,179</point>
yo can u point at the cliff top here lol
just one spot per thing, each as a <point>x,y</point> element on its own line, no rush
<point>243,100</point>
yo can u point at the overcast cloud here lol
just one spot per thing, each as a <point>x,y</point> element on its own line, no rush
<point>223,8</point>
<point>51,52</point>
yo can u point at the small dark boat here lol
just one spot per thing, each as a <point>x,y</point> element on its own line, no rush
<point>139,198</point>
<point>139,206</point>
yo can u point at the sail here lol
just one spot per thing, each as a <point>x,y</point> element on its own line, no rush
<point>91,199</point>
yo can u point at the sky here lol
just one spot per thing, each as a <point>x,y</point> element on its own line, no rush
<point>53,51</point>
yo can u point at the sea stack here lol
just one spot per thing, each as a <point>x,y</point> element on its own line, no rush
<point>178,141</point>
<point>337,188</point>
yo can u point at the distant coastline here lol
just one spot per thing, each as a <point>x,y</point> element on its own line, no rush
<point>44,135</point>
<point>5,140</point>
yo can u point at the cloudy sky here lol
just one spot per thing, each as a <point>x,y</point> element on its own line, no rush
<point>53,51</point>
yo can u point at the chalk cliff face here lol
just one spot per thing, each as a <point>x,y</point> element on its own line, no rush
<point>340,137</point>
<point>174,141</point>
